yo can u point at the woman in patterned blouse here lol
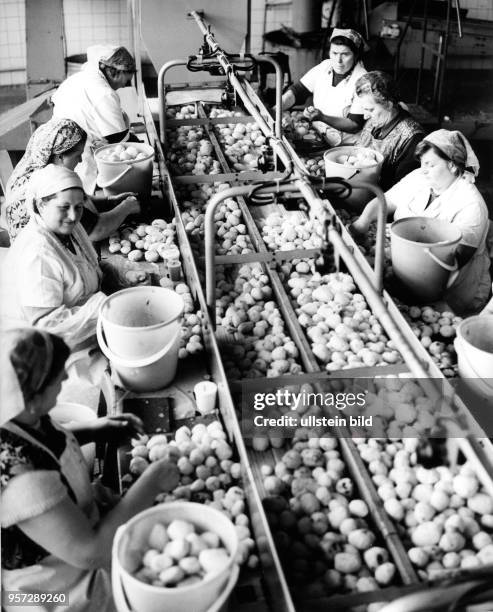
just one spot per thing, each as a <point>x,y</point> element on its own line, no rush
<point>53,535</point>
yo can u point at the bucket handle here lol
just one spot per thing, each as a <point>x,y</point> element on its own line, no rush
<point>135,363</point>
<point>451,268</point>
<point>112,181</point>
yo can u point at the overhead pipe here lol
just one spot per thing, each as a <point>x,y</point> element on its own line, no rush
<point>278,69</point>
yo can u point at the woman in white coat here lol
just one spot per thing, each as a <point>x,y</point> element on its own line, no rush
<point>443,188</point>
<point>52,269</point>
<point>332,83</point>
<point>90,98</point>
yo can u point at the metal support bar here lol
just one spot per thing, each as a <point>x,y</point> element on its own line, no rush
<point>278,69</point>
<point>161,95</point>
<point>209,235</point>
<point>380,234</point>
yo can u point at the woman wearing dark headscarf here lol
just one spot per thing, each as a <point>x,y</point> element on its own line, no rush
<point>53,536</point>
<point>443,188</point>
<point>390,129</point>
<point>332,84</point>
<point>60,142</point>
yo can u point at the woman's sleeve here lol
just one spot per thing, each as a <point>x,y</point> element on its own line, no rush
<point>300,92</point>
<point>407,161</point>
<point>108,115</point>
<point>30,494</point>
<point>41,288</point>
<point>309,79</point>
<point>472,220</point>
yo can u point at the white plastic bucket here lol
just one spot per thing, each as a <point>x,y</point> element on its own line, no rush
<point>474,347</point>
<point>423,255</point>
<point>118,176</point>
<point>130,540</point>
<point>138,321</point>
<point>370,174</point>
<point>146,373</point>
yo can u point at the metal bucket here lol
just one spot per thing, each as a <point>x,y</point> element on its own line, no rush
<point>423,255</point>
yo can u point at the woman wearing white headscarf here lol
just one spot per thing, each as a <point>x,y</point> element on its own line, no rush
<point>443,188</point>
<point>52,269</point>
<point>53,536</point>
<point>332,83</point>
<point>89,98</point>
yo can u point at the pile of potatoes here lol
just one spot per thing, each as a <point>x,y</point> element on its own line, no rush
<point>443,513</point>
<point>231,233</point>
<point>287,233</point>
<point>208,471</point>
<point>342,330</point>
<point>153,242</point>
<point>436,331</point>
<point>400,408</point>
<point>296,126</point>
<point>321,528</point>
<point>243,143</point>
<point>246,311</point>
<point>360,158</point>
<point>179,555</point>
<point>189,150</point>
<point>121,152</point>
<point>191,341</point>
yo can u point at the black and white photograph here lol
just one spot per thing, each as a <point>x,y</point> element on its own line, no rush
<point>246,310</point>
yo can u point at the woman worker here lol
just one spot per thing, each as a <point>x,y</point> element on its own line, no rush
<point>52,268</point>
<point>443,188</point>
<point>60,142</point>
<point>54,537</point>
<point>89,98</point>
<point>390,129</point>
<point>332,85</point>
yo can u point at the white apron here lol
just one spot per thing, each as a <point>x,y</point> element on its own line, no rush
<point>88,590</point>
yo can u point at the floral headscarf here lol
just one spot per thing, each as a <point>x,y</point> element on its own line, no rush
<point>55,137</point>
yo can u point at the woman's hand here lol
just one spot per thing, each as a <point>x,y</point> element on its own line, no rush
<point>117,199</point>
<point>312,113</point>
<point>117,428</point>
<point>164,473</point>
<point>358,230</point>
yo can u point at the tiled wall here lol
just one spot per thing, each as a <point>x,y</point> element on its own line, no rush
<point>12,42</point>
<point>86,22</point>
<point>94,21</point>
<point>275,17</point>
<point>91,22</point>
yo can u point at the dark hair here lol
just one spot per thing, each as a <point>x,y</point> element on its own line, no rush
<point>380,85</point>
<point>424,146</point>
<point>30,347</point>
<point>342,40</point>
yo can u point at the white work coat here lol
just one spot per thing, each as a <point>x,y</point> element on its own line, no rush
<point>463,206</point>
<point>336,101</point>
<point>42,273</point>
<point>88,99</point>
